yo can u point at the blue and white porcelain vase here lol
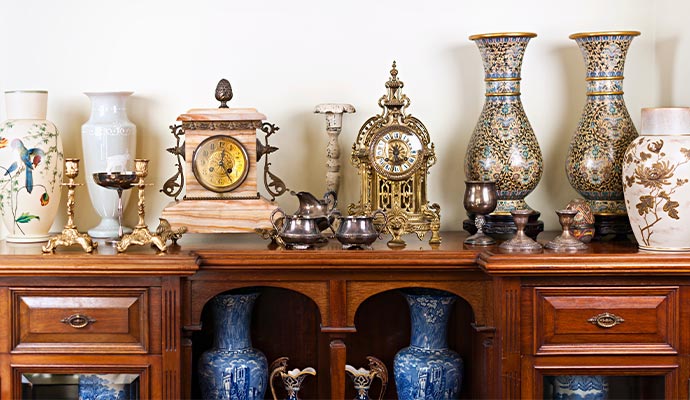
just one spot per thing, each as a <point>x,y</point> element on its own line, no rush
<point>104,387</point>
<point>232,369</point>
<point>428,369</point>
<point>580,387</point>
<point>31,167</point>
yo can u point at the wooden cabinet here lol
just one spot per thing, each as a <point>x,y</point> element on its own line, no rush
<point>72,314</point>
<point>612,311</point>
<point>520,320</point>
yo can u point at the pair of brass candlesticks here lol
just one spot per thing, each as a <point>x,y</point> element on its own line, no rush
<point>481,199</point>
<point>118,181</point>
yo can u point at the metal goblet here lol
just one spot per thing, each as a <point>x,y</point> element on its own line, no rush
<point>480,199</point>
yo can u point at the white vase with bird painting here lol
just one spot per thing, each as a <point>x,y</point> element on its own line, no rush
<point>109,145</point>
<point>31,166</point>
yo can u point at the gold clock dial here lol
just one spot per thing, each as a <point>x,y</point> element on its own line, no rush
<point>396,152</point>
<point>220,163</point>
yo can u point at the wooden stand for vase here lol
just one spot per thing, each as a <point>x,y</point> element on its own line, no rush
<point>502,226</point>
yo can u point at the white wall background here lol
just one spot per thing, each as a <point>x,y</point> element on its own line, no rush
<point>284,57</point>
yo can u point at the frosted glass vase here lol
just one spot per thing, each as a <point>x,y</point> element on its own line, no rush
<point>31,166</point>
<point>109,145</point>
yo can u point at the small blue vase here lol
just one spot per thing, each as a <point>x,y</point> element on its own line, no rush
<point>580,387</point>
<point>428,369</point>
<point>232,369</point>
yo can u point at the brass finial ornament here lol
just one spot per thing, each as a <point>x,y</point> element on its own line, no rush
<point>70,235</point>
<point>393,153</point>
<point>223,93</point>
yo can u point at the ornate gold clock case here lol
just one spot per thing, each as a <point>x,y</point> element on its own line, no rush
<point>217,165</point>
<point>393,154</point>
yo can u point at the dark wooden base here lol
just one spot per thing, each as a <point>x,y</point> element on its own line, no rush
<point>503,226</point>
<point>612,227</point>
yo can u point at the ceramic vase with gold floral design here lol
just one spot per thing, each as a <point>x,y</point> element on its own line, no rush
<point>656,170</point>
<point>503,147</point>
<point>595,155</point>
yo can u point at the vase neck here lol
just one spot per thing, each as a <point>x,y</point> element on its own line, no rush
<point>233,315</point>
<point>26,104</point>
<point>107,106</point>
<point>604,57</point>
<point>429,315</point>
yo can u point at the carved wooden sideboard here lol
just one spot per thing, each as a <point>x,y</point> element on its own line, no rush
<point>520,320</point>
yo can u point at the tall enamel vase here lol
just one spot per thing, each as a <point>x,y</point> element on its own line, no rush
<point>595,155</point>
<point>232,369</point>
<point>503,147</point>
<point>109,144</point>
<point>31,167</point>
<point>428,369</point>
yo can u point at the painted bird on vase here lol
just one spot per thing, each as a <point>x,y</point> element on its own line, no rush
<point>30,157</point>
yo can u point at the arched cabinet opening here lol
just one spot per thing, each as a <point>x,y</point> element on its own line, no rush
<point>284,323</point>
<point>384,327</point>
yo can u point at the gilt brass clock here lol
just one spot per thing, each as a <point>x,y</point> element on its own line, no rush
<point>220,163</point>
<point>393,153</point>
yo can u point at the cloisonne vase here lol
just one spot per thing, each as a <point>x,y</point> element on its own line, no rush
<point>428,369</point>
<point>656,169</point>
<point>503,147</point>
<point>595,154</point>
<point>580,387</point>
<point>109,141</point>
<point>232,369</point>
<point>31,167</point>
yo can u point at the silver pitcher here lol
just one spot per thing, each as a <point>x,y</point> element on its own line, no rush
<point>297,231</point>
<point>360,230</point>
<point>323,210</point>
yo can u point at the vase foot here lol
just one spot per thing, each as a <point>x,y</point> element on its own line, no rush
<point>27,238</point>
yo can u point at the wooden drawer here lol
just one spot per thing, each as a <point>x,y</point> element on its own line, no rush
<point>93,320</point>
<point>606,320</point>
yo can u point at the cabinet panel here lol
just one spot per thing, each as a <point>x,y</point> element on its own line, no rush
<point>101,320</point>
<point>598,320</point>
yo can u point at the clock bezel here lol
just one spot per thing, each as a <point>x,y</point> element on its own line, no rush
<point>215,188</point>
<point>376,138</point>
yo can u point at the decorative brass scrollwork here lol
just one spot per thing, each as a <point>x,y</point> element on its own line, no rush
<point>274,185</point>
<point>606,320</point>
<point>173,186</point>
<point>77,321</point>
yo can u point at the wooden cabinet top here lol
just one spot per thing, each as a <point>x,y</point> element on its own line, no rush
<point>244,251</point>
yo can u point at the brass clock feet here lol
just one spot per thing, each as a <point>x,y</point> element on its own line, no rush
<point>70,235</point>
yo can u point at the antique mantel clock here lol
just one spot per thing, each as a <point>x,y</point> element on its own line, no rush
<point>217,165</point>
<point>393,153</point>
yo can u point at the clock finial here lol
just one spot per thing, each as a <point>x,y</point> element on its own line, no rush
<point>223,93</point>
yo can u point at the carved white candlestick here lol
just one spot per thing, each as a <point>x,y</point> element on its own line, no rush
<point>334,124</point>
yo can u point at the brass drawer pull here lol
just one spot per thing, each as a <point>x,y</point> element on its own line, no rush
<point>606,320</point>
<point>77,321</point>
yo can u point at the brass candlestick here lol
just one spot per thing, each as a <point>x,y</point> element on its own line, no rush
<point>521,242</point>
<point>70,235</point>
<point>141,235</point>
<point>566,241</point>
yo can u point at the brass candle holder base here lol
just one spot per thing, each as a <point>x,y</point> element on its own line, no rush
<point>70,235</point>
<point>141,235</point>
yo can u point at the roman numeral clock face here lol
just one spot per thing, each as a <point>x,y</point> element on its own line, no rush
<point>220,163</point>
<point>396,153</point>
